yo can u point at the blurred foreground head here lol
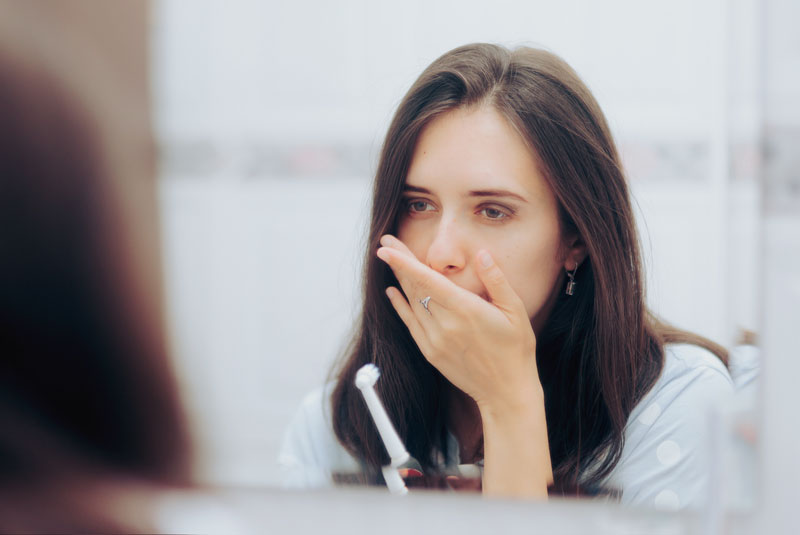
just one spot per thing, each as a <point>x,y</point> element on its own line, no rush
<point>86,389</point>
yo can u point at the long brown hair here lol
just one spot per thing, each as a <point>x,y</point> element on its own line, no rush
<point>600,351</point>
<point>85,383</point>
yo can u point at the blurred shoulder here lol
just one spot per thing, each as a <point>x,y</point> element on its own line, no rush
<point>689,359</point>
<point>690,370</point>
<point>316,404</point>
<point>692,382</point>
<point>311,453</point>
<point>667,448</point>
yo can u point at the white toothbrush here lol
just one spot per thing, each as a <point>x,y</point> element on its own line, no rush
<point>366,377</point>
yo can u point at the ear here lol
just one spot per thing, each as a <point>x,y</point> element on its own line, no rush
<point>575,252</point>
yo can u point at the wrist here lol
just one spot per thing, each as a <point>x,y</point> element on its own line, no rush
<point>516,448</point>
<point>515,407</point>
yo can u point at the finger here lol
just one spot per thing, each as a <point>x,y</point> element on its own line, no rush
<point>419,281</point>
<point>387,240</point>
<point>407,316</point>
<point>501,294</point>
<point>415,289</point>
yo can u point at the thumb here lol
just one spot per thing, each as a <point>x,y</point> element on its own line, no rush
<point>497,286</point>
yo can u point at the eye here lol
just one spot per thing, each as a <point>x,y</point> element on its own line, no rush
<point>419,206</point>
<point>495,213</point>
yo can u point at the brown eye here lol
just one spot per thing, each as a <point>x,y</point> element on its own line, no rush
<point>419,206</point>
<point>493,213</point>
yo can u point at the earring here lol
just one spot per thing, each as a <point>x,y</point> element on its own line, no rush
<point>571,283</point>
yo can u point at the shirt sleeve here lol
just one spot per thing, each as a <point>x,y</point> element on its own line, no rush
<point>667,455</point>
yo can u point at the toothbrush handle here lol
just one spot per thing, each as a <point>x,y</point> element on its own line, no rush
<point>393,480</point>
<point>394,446</point>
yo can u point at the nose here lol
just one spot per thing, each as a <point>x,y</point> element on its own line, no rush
<point>446,253</point>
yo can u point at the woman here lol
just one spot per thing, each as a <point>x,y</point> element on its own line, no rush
<point>90,420</point>
<point>504,302</point>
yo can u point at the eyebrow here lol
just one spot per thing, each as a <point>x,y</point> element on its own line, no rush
<point>473,193</point>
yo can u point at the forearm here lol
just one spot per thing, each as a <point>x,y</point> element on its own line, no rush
<point>516,450</point>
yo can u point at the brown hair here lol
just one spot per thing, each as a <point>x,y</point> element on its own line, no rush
<point>85,383</point>
<point>600,350</point>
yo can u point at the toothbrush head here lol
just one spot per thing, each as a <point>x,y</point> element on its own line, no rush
<point>367,376</point>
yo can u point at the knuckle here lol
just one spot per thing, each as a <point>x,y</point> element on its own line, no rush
<point>449,330</point>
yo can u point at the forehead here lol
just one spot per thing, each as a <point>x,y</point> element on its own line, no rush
<point>475,148</point>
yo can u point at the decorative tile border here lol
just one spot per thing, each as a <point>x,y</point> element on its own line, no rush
<point>782,170</point>
<point>206,159</point>
<point>202,158</point>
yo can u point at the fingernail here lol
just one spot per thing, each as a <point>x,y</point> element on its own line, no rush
<point>409,473</point>
<point>486,259</point>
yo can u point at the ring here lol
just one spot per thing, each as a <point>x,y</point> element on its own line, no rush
<point>424,303</point>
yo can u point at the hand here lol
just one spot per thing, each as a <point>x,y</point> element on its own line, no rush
<point>486,349</point>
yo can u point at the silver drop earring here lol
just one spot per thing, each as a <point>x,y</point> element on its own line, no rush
<point>571,283</point>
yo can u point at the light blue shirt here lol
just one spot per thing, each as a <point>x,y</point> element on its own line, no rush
<point>665,459</point>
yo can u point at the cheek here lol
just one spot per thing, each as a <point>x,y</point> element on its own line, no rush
<point>403,229</point>
<point>533,275</point>
<point>413,235</point>
<point>534,288</point>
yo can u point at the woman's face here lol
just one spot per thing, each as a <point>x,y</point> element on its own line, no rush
<point>473,184</point>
